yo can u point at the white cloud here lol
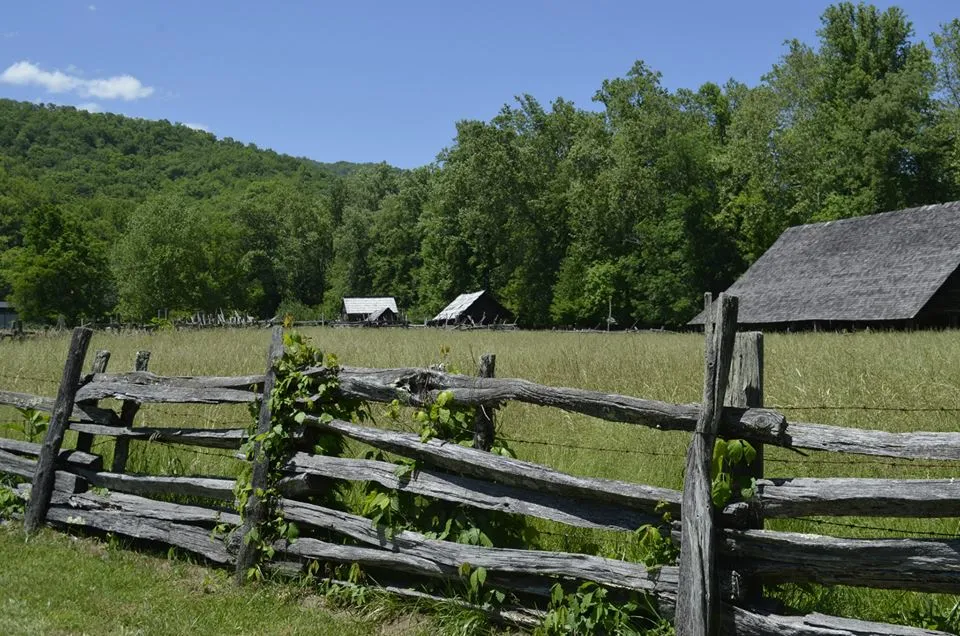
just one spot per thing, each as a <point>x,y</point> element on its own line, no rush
<point>90,107</point>
<point>6,35</point>
<point>92,7</point>
<point>200,127</point>
<point>125,87</point>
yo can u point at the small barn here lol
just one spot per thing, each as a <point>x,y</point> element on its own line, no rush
<point>890,270</point>
<point>476,308</point>
<point>8,315</point>
<point>382,316</point>
<point>359,309</point>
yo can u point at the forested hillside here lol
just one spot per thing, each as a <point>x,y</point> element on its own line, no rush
<point>647,199</point>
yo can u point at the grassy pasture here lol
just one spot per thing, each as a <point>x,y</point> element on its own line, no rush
<point>805,372</point>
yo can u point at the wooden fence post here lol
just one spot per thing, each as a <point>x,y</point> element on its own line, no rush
<point>45,472</point>
<point>698,599</point>
<point>100,362</point>
<point>261,464</point>
<point>483,425</point>
<point>128,412</point>
<point>745,390</point>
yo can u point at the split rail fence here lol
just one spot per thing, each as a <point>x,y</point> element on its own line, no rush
<point>726,555</point>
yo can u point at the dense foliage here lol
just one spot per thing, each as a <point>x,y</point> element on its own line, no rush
<point>636,206</point>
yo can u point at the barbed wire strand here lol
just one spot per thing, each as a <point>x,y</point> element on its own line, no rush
<point>857,526</point>
<point>862,407</point>
<point>20,376</point>
<point>596,448</point>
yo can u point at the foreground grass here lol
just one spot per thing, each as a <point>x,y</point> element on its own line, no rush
<point>806,374</point>
<point>59,584</point>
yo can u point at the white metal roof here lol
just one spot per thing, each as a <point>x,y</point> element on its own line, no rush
<point>367,306</point>
<point>458,306</point>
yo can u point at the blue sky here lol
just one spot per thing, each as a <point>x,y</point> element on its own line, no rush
<point>379,81</point>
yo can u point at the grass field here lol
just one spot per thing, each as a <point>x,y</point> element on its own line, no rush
<point>863,374</point>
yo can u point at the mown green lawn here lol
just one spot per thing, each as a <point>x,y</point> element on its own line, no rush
<point>60,584</point>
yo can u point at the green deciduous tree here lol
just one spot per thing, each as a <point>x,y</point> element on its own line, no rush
<point>57,271</point>
<point>177,254</point>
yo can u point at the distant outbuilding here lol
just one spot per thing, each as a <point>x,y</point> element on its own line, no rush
<point>8,315</point>
<point>895,269</point>
<point>359,309</point>
<point>476,308</point>
<point>383,316</point>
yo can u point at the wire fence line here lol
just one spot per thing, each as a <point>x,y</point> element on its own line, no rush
<point>863,407</point>
<point>860,526</point>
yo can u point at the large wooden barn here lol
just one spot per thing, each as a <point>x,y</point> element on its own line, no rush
<point>890,270</point>
<point>476,308</point>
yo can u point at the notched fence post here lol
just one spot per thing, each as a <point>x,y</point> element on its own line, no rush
<point>128,412</point>
<point>698,598</point>
<point>745,390</point>
<point>253,516</point>
<point>484,429</point>
<point>43,477</point>
<point>100,362</point>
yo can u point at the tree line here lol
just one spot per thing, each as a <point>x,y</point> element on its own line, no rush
<point>638,204</point>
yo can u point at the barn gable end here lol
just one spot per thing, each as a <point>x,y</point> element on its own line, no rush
<point>895,268</point>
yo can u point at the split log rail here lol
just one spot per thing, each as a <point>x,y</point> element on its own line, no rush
<point>726,555</point>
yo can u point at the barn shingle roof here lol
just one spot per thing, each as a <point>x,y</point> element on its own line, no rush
<point>880,267</point>
<point>459,305</point>
<point>367,306</point>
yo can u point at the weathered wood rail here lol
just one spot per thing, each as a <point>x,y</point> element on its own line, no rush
<point>726,554</point>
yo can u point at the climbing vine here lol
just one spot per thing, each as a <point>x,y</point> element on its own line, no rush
<point>724,485</point>
<point>306,381</point>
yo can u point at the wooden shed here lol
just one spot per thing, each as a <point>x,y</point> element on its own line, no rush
<point>8,315</point>
<point>359,309</point>
<point>893,270</point>
<point>382,316</point>
<point>476,308</point>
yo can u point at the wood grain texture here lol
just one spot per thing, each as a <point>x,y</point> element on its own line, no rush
<point>255,511</point>
<point>742,622</point>
<point>512,472</point>
<point>231,438</point>
<point>698,599</point>
<point>745,389</point>
<point>144,507</point>
<point>45,474</point>
<point>445,557</point>
<point>420,387</point>
<point>483,424</point>
<point>464,490</point>
<point>191,538</point>
<point>925,565</point>
<point>209,487</point>
<point>860,497</point>
<point>25,467</point>
<point>100,361</point>
<point>128,413</point>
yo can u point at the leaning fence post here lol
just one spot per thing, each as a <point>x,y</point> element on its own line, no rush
<point>261,464</point>
<point>698,600</point>
<point>45,473</point>
<point>100,361</point>
<point>483,425</point>
<point>128,412</point>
